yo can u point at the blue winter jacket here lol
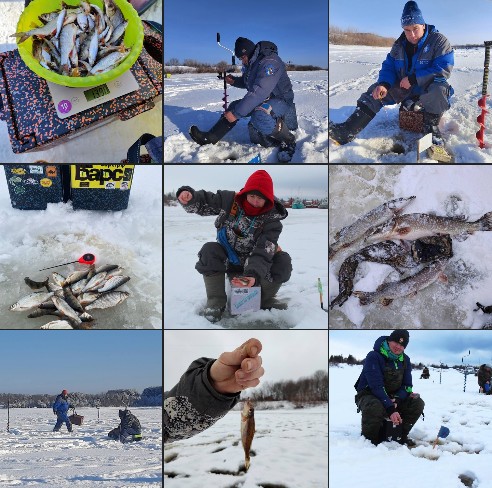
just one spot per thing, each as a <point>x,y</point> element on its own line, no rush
<point>61,405</point>
<point>372,375</point>
<point>264,77</point>
<point>433,61</point>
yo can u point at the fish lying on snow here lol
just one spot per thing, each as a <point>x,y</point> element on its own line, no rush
<point>351,234</point>
<point>414,226</point>
<point>387,292</point>
<point>31,301</point>
<point>247,430</point>
<point>487,309</point>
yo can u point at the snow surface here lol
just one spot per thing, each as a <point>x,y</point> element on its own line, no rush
<point>304,237</point>
<point>354,68</point>
<point>106,144</point>
<point>353,460</point>
<point>356,189</point>
<point>31,240</point>
<point>33,455</point>
<point>290,450</point>
<point>192,99</point>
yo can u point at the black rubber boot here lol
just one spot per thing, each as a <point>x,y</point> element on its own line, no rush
<point>346,132</point>
<point>268,291</point>
<point>216,297</point>
<point>431,124</point>
<point>214,135</point>
<point>287,140</point>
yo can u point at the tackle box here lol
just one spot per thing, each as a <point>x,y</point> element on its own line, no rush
<point>412,121</point>
<point>28,108</point>
<point>89,186</point>
<point>244,299</point>
<point>76,419</point>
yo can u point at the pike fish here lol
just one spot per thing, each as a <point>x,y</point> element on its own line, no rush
<point>353,233</point>
<point>387,292</point>
<point>414,226</point>
<point>31,301</point>
<point>247,430</point>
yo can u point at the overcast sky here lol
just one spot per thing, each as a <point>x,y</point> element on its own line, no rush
<point>426,346</point>
<point>304,181</point>
<point>286,354</point>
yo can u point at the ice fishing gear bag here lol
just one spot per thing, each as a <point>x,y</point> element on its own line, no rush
<point>75,418</point>
<point>101,186</point>
<point>33,186</point>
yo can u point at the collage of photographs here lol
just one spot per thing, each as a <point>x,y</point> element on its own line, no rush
<point>410,221</point>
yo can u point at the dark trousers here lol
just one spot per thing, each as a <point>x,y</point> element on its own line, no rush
<point>374,413</point>
<point>212,259</point>
<point>62,418</point>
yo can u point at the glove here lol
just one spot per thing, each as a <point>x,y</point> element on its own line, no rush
<point>54,413</point>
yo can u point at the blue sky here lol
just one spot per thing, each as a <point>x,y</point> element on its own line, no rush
<point>299,29</point>
<point>39,361</point>
<point>461,22</point>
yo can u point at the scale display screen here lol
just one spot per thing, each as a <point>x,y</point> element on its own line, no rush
<point>96,92</point>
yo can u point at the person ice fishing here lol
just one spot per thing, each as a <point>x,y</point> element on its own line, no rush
<point>269,101</point>
<point>414,73</point>
<point>248,227</point>
<point>60,409</point>
<point>484,374</point>
<point>209,389</point>
<point>384,388</point>
<point>129,429</point>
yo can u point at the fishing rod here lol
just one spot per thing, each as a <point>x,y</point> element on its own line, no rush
<point>85,259</point>
<point>320,289</point>
<point>223,74</point>
<point>482,103</point>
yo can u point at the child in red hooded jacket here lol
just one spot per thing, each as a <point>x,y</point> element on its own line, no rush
<point>248,226</point>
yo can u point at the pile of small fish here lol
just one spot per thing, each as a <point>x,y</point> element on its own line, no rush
<point>79,41</point>
<point>72,297</point>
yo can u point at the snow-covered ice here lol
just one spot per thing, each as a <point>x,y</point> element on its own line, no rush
<point>191,99</point>
<point>353,460</point>
<point>289,450</point>
<point>357,189</point>
<point>33,455</point>
<point>354,68</point>
<point>35,239</point>
<point>304,237</point>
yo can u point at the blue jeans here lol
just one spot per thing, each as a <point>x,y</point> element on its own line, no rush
<point>61,418</point>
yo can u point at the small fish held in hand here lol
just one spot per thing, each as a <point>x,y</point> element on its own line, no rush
<point>247,430</point>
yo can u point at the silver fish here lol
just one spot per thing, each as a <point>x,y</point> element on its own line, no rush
<point>65,309</point>
<point>387,292</point>
<point>356,231</point>
<point>417,225</point>
<point>67,44</point>
<point>108,300</point>
<point>76,276</point>
<point>57,324</point>
<point>95,282</point>
<point>58,278</point>
<point>31,301</point>
<point>39,312</point>
<point>88,297</point>
<point>78,287</point>
<point>46,30</point>
<point>107,268</point>
<point>247,430</point>
<point>71,300</point>
<point>118,33</point>
<point>113,282</point>
<point>109,62</point>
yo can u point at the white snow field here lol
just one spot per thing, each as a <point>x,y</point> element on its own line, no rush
<point>466,451</point>
<point>304,237</point>
<point>357,189</point>
<point>33,455</point>
<point>35,239</point>
<point>106,144</point>
<point>191,99</point>
<point>289,451</point>
<point>354,68</point>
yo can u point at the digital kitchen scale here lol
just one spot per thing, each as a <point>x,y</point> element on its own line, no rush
<point>70,101</point>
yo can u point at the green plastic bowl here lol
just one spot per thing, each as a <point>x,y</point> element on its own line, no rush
<point>133,39</point>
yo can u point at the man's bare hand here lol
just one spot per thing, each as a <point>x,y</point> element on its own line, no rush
<point>405,83</point>
<point>396,418</point>
<point>243,281</point>
<point>185,197</point>
<point>379,92</point>
<point>229,80</point>
<point>237,370</point>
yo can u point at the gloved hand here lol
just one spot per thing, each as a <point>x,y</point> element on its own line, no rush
<point>54,413</point>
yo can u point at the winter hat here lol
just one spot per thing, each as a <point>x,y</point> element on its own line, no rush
<point>261,182</point>
<point>257,193</point>
<point>401,336</point>
<point>65,392</point>
<point>411,14</point>
<point>244,46</point>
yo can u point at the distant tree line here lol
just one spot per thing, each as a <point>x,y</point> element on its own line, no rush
<point>311,389</point>
<point>336,35</point>
<point>150,397</point>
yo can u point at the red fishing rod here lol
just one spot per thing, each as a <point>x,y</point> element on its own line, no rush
<point>85,259</point>
<point>482,103</point>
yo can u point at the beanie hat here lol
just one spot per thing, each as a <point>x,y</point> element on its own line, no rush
<point>411,15</point>
<point>244,46</point>
<point>400,336</point>
<point>64,392</point>
<point>261,183</point>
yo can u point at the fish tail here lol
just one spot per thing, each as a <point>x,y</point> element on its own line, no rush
<point>480,307</point>
<point>364,297</point>
<point>486,222</point>
<point>247,463</point>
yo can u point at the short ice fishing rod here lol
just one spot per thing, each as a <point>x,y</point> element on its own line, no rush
<point>482,103</point>
<point>85,259</point>
<point>223,74</point>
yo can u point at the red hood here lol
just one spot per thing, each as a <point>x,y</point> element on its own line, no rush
<point>260,181</point>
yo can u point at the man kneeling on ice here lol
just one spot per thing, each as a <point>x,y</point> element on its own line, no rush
<point>384,389</point>
<point>269,101</point>
<point>129,429</point>
<point>248,227</point>
<point>414,73</point>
